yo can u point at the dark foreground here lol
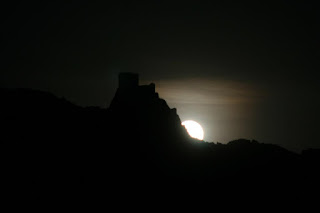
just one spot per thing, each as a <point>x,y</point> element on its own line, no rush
<point>55,149</point>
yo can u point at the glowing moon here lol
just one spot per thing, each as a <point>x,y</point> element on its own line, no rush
<point>194,129</point>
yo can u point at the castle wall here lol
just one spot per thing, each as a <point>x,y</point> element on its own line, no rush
<point>128,80</point>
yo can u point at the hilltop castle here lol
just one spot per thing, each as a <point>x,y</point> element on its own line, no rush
<point>142,101</point>
<point>129,91</point>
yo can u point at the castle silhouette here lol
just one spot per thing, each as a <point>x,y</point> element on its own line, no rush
<point>141,105</point>
<point>54,146</point>
<point>129,90</point>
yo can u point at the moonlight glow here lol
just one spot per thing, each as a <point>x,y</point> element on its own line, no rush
<point>194,129</point>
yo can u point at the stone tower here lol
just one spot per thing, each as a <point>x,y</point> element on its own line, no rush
<point>128,80</point>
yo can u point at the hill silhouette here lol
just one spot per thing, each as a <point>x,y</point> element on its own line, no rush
<point>55,147</point>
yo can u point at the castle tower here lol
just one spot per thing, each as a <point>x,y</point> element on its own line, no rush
<point>128,80</point>
<point>129,91</point>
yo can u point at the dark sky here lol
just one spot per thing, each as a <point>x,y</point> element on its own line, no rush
<point>241,69</point>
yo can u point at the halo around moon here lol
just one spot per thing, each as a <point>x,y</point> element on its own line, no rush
<point>194,129</point>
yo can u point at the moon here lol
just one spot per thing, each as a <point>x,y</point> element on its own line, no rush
<point>194,129</point>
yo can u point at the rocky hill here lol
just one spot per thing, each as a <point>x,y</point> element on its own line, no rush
<point>53,146</point>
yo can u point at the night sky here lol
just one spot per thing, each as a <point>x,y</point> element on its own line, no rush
<point>240,69</point>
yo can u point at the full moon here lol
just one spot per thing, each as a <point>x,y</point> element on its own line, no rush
<point>194,129</point>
